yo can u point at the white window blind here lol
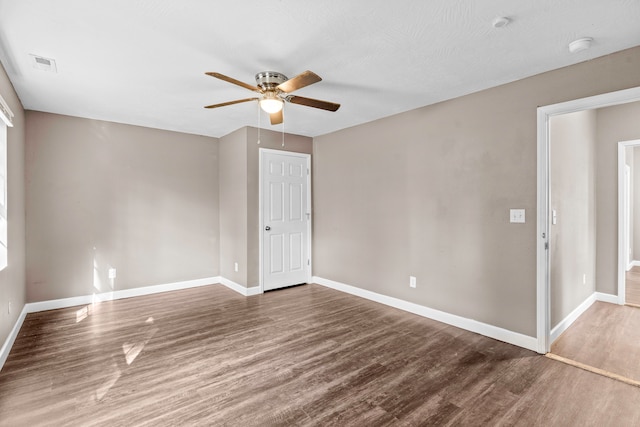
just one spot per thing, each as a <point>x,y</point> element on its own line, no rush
<point>5,113</point>
<point>6,117</point>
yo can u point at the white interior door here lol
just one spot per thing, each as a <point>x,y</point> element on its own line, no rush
<point>285,218</point>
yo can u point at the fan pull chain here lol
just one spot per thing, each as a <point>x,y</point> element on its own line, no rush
<point>283,125</point>
<point>258,123</point>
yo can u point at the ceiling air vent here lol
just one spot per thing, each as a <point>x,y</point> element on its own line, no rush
<point>44,64</point>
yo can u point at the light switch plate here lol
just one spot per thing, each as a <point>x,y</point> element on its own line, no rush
<point>516,216</point>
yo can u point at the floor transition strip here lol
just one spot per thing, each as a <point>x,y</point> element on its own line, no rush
<point>595,370</point>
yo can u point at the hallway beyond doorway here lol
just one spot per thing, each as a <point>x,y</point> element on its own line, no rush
<point>632,286</point>
<point>604,337</point>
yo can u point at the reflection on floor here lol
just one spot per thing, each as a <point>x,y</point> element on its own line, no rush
<point>301,356</point>
<point>606,337</point>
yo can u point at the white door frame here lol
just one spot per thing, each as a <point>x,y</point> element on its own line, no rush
<point>628,203</point>
<point>623,212</point>
<point>261,220</point>
<point>543,327</point>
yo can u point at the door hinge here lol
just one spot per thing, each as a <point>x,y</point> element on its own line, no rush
<point>308,262</point>
<point>307,171</point>
<point>546,245</point>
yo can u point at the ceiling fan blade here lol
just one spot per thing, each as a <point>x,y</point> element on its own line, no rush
<point>315,103</point>
<point>298,82</point>
<point>276,118</point>
<point>232,102</point>
<point>233,81</point>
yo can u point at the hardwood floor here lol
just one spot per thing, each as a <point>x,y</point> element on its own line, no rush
<point>632,286</point>
<point>299,356</point>
<point>606,336</point>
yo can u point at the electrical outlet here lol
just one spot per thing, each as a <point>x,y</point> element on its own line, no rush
<point>112,273</point>
<point>235,267</point>
<point>10,304</point>
<point>412,281</point>
<point>584,279</point>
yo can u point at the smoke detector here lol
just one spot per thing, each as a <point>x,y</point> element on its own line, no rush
<point>500,22</point>
<point>41,63</point>
<point>580,44</point>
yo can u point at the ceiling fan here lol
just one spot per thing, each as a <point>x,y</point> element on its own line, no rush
<point>274,89</point>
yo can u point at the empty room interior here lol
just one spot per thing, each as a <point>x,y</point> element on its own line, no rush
<point>320,213</point>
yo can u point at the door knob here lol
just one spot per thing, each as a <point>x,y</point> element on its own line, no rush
<point>267,228</point>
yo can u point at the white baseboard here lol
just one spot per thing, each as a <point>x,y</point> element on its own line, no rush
<point>572,317</point>
<point>611,299</point>
<point>635,263</point>
<point>490,331</point>
<point>247,292</point>
<point>34,307</point>
<point>135,292</point>
<point>8,343</point>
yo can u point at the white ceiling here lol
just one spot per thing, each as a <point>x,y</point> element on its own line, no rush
<point>143,62</point>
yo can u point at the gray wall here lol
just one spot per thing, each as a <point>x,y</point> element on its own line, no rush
<point>102,195</point>
<point>572,196</point>
<point>233,206</point>
<point>614,124</point>
<point>427,193</point>
<point>239,198</point>
<point>423,193</point>
<point>12,278</point>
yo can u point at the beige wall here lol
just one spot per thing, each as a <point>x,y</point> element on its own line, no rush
<point>572,196</point>
<point>233,206</point>
<point>12,278</point>
<point>239,201</point>
<point>423,193</point>
<point>427,193</point>
<point>103,195</point>
<point>615,124</point>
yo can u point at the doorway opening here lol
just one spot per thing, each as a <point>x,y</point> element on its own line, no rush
<point>544,115</point>
<point>628,250</point>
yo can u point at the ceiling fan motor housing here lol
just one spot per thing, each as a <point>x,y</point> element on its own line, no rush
<point>268,80</point>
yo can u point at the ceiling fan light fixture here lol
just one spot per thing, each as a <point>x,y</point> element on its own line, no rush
<point>271,105</point>
<point>274,89</point>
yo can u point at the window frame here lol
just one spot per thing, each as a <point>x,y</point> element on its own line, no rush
<point>6,121</point>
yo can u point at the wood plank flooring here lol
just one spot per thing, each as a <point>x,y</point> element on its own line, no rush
<point>632,286</point>
<point>300,356</point>
<point>606,336</point>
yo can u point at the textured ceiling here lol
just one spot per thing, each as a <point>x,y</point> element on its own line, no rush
<point>143,62</point>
